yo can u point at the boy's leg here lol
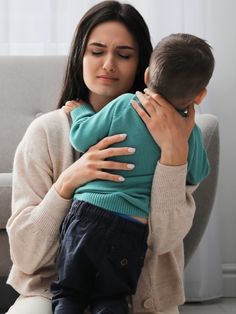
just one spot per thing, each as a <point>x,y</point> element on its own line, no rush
<point>109,306</point>
<point>76,272</point>
<point>64,304</point>
<point>109,253</point>
<point>120,268</point>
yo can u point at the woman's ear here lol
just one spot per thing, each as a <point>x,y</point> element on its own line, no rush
<point>146,76</point>
<point>199,98</point>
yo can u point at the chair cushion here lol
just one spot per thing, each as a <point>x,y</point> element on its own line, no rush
<point>5,197</point>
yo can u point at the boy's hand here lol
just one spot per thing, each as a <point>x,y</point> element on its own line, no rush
<point>70,105</point>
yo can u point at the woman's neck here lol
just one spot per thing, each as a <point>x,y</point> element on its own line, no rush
<point>98,102</point>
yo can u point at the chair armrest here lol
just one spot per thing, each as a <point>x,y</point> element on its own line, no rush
<point>204,196</point>
<point>5,198</point>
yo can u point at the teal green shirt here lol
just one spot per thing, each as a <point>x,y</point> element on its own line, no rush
<point>131,197</point>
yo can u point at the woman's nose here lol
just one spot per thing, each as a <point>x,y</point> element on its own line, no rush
<point>109,64</point>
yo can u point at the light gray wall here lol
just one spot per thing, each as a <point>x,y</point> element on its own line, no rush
<point>221,27</point>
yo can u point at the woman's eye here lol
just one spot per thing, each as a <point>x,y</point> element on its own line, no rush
<point>97,53</point>
<point>124,56</point>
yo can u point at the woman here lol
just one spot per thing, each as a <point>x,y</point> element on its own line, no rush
<point>45,171</point>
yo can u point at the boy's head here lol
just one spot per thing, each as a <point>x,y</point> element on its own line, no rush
<point>181,66</point>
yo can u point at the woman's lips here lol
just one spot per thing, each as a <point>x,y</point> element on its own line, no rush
<point>107,78</point>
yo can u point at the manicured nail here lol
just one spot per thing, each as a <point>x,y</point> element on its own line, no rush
<point>121,179</point>
<point>130,166</point>
<point>123,135</point>
<point>131,150</point>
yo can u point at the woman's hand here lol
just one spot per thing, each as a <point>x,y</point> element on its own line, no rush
<point>168,128</point>
<point>93,165</point>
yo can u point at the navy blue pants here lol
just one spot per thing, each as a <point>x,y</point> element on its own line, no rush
<point>99,261</point>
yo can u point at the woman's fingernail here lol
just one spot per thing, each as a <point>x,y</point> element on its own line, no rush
<point>123,135</point>
<point>130,166</point>
<point>121,179</point>
<point>131,150</point>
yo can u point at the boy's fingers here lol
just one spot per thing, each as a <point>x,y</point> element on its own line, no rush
<point>69,103</point>
<point>72,103</point>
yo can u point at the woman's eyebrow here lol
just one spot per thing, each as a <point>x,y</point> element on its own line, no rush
<point>101,45</point>
<point>125,47</point>
<point>97,44</point>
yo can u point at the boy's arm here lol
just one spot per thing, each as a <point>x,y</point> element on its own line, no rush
<point>198,163</point>
<point>88,127</point>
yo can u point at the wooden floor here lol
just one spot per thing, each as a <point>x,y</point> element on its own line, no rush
<point>222,306</point>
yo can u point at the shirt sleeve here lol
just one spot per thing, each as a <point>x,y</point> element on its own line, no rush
<point>198,163</point>
<point>88,127</point>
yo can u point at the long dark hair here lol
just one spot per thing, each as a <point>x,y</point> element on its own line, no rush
<point>74,86</point>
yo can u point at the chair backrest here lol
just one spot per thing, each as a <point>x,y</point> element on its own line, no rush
<point>205,194</point>
<point>29,86</point>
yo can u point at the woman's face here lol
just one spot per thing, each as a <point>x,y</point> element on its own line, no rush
<point>110,63</point>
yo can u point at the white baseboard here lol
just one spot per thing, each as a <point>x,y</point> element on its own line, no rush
<point>229,280</point>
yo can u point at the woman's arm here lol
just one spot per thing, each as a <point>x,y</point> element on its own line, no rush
<point>172,203</point>
<point>44,178</point>
<point>37,208</point>
<point>172,208</point>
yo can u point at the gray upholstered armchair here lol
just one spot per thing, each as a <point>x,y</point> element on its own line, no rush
<point>30,86</point>
<point>205,194</point>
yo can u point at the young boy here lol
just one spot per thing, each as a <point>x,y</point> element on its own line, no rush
<point>104,235</point>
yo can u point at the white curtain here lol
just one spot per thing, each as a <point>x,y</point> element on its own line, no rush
<point>32,27</point>
<point>45,27</point>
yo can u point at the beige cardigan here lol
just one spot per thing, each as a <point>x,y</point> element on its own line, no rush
<point>38,211</point>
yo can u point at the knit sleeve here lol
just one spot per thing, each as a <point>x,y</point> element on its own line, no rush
<point>88,127</point>
<point>172,208</point>
<point>37,209</point>
<point>198,163</point>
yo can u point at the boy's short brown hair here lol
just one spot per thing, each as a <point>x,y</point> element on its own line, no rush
<point>181,66</point>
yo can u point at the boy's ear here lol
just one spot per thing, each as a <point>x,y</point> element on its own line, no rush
<point>146,76</point>
<point>199,98</point>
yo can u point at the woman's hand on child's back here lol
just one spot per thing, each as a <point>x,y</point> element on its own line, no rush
<point>168,128</point>
<point>94,165</point>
